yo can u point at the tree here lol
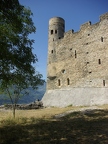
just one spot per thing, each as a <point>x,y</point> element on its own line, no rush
<point>16,56</point>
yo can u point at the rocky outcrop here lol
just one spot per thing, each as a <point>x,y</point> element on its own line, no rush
<point>33,105</point>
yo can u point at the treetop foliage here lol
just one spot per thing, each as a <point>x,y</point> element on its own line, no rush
<point>16,56</point>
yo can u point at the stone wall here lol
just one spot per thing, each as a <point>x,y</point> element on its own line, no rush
<point>76,97</point>
<point>81,57</point>
<point>79,60</point>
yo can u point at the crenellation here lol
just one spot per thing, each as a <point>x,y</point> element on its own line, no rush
<point>85,25</point>
<point>104,16</point>
<point>68,33</point>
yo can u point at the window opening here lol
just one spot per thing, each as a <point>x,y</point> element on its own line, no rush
<point>59,37</point>
<point>99,61</point>
<point>58,82</point>
<point>75,54</point>
<point>63,71</point>
<point>53,39</point>
<point>52,51</point>
<point>103,82</point>
<point>51,31</point>
<point>101,39</point>
<point>55,31</point>
<point>68,81</point>
<point>70,49</point>
<point>88,34</point>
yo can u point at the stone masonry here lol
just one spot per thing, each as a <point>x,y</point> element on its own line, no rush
<point>77,68</point>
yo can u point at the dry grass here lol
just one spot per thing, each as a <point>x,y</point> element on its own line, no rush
<point>40,127</point>
<point>39,113</point>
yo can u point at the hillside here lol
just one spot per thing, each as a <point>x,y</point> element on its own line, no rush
<point>32,96</point>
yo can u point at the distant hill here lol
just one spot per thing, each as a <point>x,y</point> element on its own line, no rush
<point>32,96</point>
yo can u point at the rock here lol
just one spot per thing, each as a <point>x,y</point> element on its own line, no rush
<point>34,105</point>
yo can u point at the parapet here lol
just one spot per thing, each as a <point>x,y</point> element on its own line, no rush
<point>104,16</point>
<point>85,25</point>
<point>66,34</point>
<point>56,20</point>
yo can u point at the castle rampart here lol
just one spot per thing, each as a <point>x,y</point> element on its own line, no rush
<point>77,61</point>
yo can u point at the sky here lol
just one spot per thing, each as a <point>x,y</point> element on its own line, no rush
<point>74,12</point>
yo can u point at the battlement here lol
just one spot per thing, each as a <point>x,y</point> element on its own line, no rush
<point>104,16</point>
<point>57,28</point>
<point>68,33</point>
<point>87,25</point>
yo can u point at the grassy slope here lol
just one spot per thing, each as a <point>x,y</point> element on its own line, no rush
<point>40,127</point>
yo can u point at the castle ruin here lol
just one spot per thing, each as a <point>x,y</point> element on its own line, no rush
<point>77,67</point>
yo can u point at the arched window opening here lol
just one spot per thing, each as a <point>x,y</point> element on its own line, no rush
<point>59,82</point>
<point>52,51</point>
<point>68,81</point>
<point>55,31</point>
<point>51,31</point>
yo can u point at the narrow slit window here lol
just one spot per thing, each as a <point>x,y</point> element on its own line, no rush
<point>51,31</point>
<point>68,81</point>
<point>59,82</point>
<point>52,51</point>
<point>101,39</point>
<point>55,31</point>
<point>103,82</point>
<point>75,54</point>
<point>99,61</point>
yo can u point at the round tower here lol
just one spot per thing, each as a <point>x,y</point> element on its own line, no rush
<point>56,29</point>
<point>55,32</point>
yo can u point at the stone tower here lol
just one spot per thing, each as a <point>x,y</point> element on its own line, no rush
<point>56,31</point>
<point>77,68</point>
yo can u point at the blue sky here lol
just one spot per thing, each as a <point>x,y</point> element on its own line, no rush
<point>74,12</point>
